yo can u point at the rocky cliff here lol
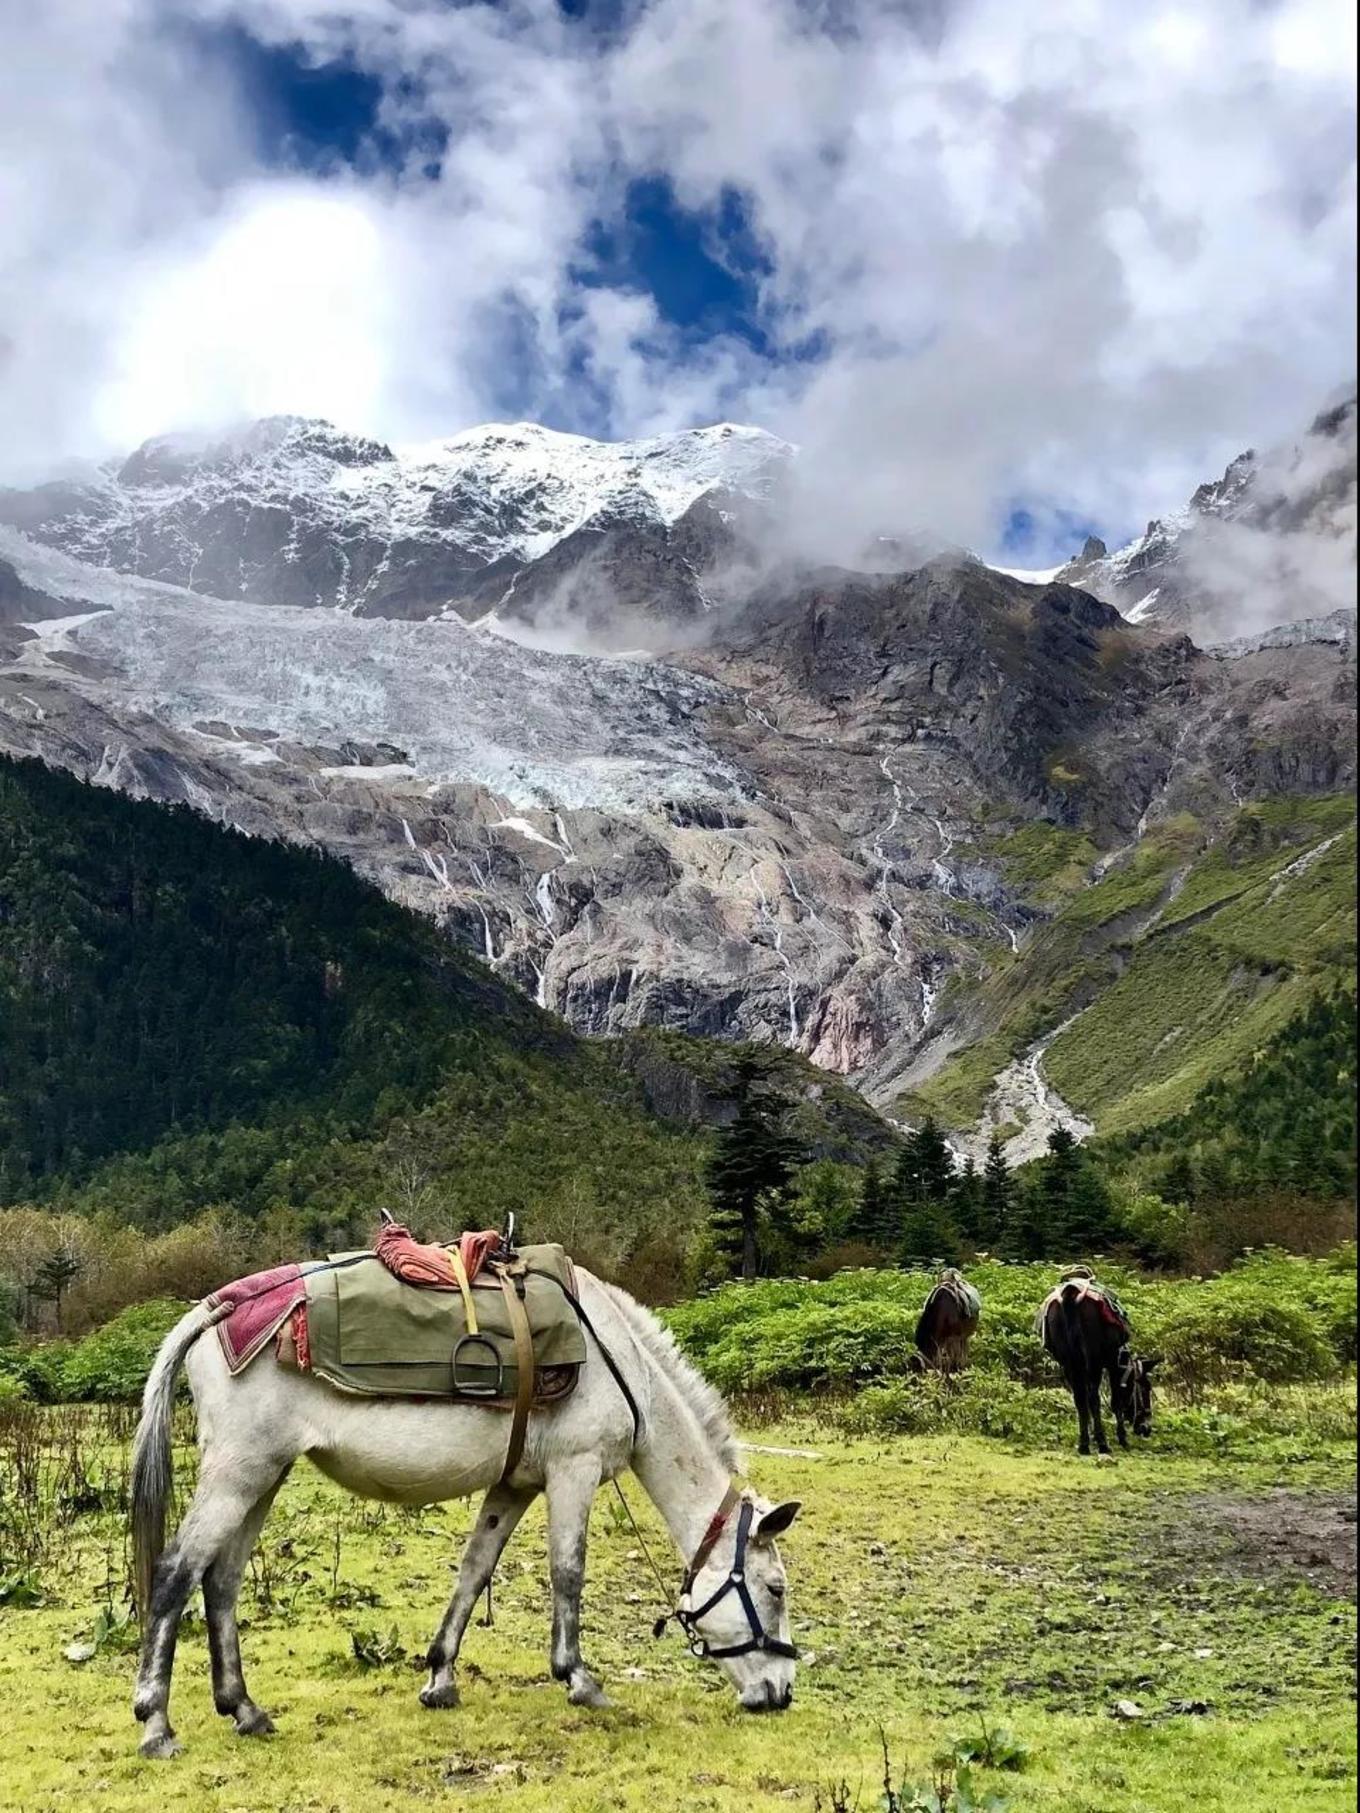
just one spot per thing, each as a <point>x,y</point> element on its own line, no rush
<point>799,826</point>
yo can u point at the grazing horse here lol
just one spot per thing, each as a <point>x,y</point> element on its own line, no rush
<point>639,1405</point>
<point>948,1322</point>
<point>1085,1329</point>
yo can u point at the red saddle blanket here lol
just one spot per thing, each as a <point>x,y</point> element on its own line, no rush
<point>256,1308</point>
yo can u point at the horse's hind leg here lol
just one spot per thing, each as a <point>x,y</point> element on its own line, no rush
<point>220,1506</point>
<point>221,1587</point>
<point>1097,1422</point>
<point>572,1486</point>
<point>501,1510</point>
<point>1081,1398</point>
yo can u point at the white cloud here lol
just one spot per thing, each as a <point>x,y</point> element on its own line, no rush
<point>286,304</point>
<point>1075,256</point>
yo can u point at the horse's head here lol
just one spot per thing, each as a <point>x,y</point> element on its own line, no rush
<point>734,1609</point>
<point>1135,1390</point>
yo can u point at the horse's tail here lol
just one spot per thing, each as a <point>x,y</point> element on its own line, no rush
<point>152,1462</point>
<point>1075,1333</point>
<point>926,1336</point>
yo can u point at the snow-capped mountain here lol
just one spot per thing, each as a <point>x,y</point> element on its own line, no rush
<point>503,519</point>
<point>1271,542</point>
<point>787,829</point>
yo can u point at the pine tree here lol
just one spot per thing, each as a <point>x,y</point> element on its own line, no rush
<point>966,1203</point>
<point>1179,1183</point>
<point>923,1184</point>
<point>930,1235</point>
<point>1024,1234</point>
<point>1057,1175</point>
<point>1077,1214</point>
<point>998,1193</point>
<point>751,1165</point>
<point>50,1282</point>
<point>925,1166</point>
<point>878,1222</point>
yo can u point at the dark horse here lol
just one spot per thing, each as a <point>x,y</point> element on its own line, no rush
<point>948,1322</point>
<point>1085,1329</point>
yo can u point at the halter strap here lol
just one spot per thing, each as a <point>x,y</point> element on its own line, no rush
<point>687,1617</point>
<point>717,1523</point>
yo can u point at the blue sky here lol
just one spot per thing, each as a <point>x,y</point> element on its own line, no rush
<point>1015,277</point>
<point>700,268</point>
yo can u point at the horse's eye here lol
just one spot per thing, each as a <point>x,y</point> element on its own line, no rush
<point>776,1589</point>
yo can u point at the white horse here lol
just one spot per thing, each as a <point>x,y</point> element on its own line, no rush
<point>252,1427</point>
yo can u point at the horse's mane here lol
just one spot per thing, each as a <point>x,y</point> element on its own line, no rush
<point>702,1398</point>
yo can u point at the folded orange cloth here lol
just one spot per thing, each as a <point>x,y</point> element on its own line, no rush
<point>474,1248</point>
<point>416,1263</point>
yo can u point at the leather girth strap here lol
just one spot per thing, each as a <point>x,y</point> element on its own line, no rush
<point>524,1368</point>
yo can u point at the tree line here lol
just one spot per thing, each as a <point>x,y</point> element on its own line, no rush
<point>1266,1154</point>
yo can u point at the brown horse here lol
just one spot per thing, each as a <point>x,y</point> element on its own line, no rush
<point>1085,1329</point>
<point>948,1322</point>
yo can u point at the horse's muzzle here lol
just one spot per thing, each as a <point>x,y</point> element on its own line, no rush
<point>769,1698</point>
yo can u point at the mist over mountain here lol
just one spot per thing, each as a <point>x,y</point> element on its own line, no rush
<point>582,704</point>
<point>1271,542</point>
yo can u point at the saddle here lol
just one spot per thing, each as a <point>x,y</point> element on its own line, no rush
<point>370,1332</point>
<point>478,1323</point>
<point>1081,1283</point>
<point>953,1284</point>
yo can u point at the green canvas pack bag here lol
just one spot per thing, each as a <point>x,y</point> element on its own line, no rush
<point>370,1333</point>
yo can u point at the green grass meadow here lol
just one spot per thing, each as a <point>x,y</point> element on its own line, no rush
<point>940,1586</point>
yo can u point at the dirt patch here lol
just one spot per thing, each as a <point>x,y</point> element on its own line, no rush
<point>1308,1534</point>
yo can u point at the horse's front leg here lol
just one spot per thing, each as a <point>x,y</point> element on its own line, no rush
<point>572,1486</point>
<point>1120,1430</point>
<point>501,1510</point>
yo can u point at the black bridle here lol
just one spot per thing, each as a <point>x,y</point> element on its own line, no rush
<point>684,1616</point>
<point>687,1617</point>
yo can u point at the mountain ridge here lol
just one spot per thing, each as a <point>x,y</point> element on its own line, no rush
<point>799,827</point>
<point>1270,542</point>
<point>291,510</point>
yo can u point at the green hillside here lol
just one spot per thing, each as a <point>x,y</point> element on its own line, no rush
<point>1283,1121</point>
<point>1178,963</point>
<point>194,1018</point>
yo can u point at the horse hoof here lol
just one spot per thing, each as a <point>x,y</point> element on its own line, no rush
<point>160,1749</point>
<point>254,1724</point>
<point>588,1693</point>
<point>437,1698</point>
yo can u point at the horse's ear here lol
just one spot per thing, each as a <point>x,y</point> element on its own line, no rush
<point>1150,1362</point>
<point>775,1522</point>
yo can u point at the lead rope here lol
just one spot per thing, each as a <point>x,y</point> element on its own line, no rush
<point>659,1628</point>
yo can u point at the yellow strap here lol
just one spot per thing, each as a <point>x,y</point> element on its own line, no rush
<point>460,1273</point>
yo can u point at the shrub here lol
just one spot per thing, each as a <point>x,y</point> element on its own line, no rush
<point>37,1372</point>
<point>110,1365</point>
<point>1272,1319</point>
<point>972,1404</point>
<point>1236,1332</point>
